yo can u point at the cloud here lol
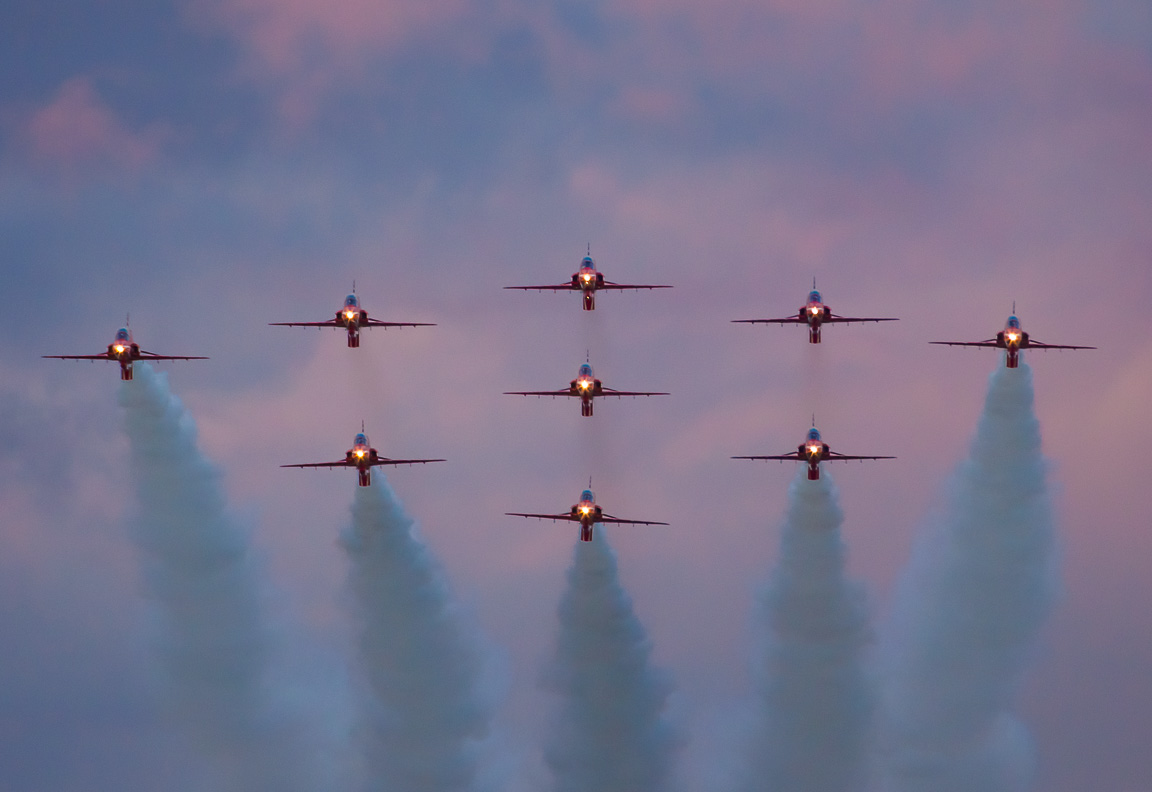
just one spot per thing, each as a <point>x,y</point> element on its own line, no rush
<point>77,132</point>
<point>284,34</point>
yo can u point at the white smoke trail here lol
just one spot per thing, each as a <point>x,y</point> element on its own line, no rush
<point>214,647</point>
<point>611,735</point>
<point>976,592</point>
<point>814,698</point>
<point>425,713</point>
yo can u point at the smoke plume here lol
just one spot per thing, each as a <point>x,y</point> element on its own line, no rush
<point>214,649</point>
<point>968,609</point>
<point>424,714</point>
<point>813,697</point>
<point>611,735</point>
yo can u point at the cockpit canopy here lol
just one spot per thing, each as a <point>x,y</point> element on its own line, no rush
<point>814,434</point>
<point>1013,322</point>
<point>814,296</point>
<point>122,334</point>
<point>587,263</point>
<point>351,301</point>
<point>587,495</point>
<point>585,370</point>
<point>361,439</point>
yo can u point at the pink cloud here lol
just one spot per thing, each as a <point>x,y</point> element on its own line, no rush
<point>77,130</point>
<point>281,35</point>
<point>880,54</point>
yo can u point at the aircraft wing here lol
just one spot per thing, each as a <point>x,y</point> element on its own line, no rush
<point>561,287</point>
<point>784,321</point>
<point>341,463</point>
<point>613,392</point>
<point>835,457</point>
<point>153,356</point>
<point>79,357</point>
<point>377,323</point>
<point>564,516</point>
<point>564,392</point>
<point>329,323</point>
<point>794,456</point>
<point>834,319</point>
<point>991,342</point>
<point>611,285</point>
<point>384,461</point>
<point>1040,345</point>
<point>608,518</point>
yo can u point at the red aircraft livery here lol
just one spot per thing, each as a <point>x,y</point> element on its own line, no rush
<point>814,313</point>
<point>125,351</point>
<point>588,281</point>
<point>587,513</point>
<point>363,457</point>
<point>585,387</point>
<point>1012,339</point>
<point>352,317</point>
<point>813,451</point>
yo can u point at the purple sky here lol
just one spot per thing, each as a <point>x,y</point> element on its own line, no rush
<point>214,165</point>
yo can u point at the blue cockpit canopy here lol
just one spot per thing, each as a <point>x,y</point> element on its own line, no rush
<point>361,439</point>
<point>1013,322</point>
<point>814,296</point>
<point>351,301</point>
<point>587,495</point>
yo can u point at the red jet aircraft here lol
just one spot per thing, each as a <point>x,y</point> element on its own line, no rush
<point>352,317</point>
<point>587,513</point>
<point>1012,339</point>
<point>813,451</point>
<point>363,457</point>
<point>588,281</point>
<point>585,387</point>
<point>814,313</point>
<point>125,351</point>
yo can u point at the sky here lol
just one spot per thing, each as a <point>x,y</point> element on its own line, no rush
<point>210,166</point>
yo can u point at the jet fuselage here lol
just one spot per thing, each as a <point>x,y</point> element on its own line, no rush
<point>587,387</point>
<point>124,350</point>
<point>813,450</point>
<point>352,316</point>
<point>588,513</point>
<point>588,280</point>
<point>1012,339</point>
<point>814,312</point>
<point>363,456</point>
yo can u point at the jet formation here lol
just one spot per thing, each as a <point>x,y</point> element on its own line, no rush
<point>585,388</point>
